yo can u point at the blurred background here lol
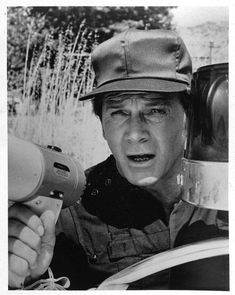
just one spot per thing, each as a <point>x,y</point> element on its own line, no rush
<point>48,65</point>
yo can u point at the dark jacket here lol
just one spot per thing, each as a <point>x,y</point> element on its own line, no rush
<point>116,224</point>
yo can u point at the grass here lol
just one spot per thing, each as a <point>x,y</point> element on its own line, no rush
<point>50,112</point>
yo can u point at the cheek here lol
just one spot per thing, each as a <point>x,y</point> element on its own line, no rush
<point>172,141</point>
<point>178,139</point>
<point>107,127</point>
<point>112,134</point>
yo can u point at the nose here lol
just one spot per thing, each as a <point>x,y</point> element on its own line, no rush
<point>137,130</point>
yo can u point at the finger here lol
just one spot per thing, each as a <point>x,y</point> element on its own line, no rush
<point>22,250</point>
<point>20,231</point>
<point>26,216</point>
<point>15,281</point>
<point>18,265</point>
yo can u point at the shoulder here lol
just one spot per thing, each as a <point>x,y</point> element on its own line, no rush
<point>101,168</point>
<point>70,217</point>
<point>95,176</point>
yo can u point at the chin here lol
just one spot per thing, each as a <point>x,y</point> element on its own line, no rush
<point>139,176</point>
<point>147,181</point>
<point>143,180</point>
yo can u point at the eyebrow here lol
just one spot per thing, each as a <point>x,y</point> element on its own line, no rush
<point>159,101</point>
<point>115,103</point>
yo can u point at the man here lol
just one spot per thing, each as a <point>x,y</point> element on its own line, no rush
<point>131,206</point>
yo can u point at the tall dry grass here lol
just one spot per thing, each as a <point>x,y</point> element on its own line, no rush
<point>50,112</point>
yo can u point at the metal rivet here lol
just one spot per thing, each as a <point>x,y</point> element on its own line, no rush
<point>108,182</point>
<point>93,258</point>
<point>94,192</point>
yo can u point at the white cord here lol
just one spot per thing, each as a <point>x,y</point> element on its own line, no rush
<point>51,283</point>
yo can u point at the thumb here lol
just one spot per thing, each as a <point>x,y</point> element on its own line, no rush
<point>47,244</point>
<point>48,221</point>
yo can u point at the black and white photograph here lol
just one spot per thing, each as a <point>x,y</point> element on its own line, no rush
<point>117,146</point>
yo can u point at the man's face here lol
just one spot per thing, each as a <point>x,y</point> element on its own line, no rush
<point>146,134</point>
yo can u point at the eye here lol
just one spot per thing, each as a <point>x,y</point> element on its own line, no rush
<point>119,113</point>
<point>157,114</point>
<point>157,111</point>
<point>160,111</point>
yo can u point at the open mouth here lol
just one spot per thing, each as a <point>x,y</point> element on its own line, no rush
<point>140,158</point>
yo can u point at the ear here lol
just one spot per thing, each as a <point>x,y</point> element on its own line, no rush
<point>185,129</point>
<point>103,131</point>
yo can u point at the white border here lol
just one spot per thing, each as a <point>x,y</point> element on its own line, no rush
<point>3,125</point>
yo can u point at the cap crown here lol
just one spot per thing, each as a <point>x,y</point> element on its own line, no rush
<point>138,60</point>
<point>158,54</point>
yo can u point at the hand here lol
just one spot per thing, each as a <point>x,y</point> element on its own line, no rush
<point>31,241</point>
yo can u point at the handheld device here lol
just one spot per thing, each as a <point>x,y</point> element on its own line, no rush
<point>42,178</point>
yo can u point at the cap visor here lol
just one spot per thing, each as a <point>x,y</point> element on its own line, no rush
<point>141,84</point>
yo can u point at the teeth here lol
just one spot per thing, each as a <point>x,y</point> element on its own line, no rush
<point>141,158</point>
<point>137,159</point>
